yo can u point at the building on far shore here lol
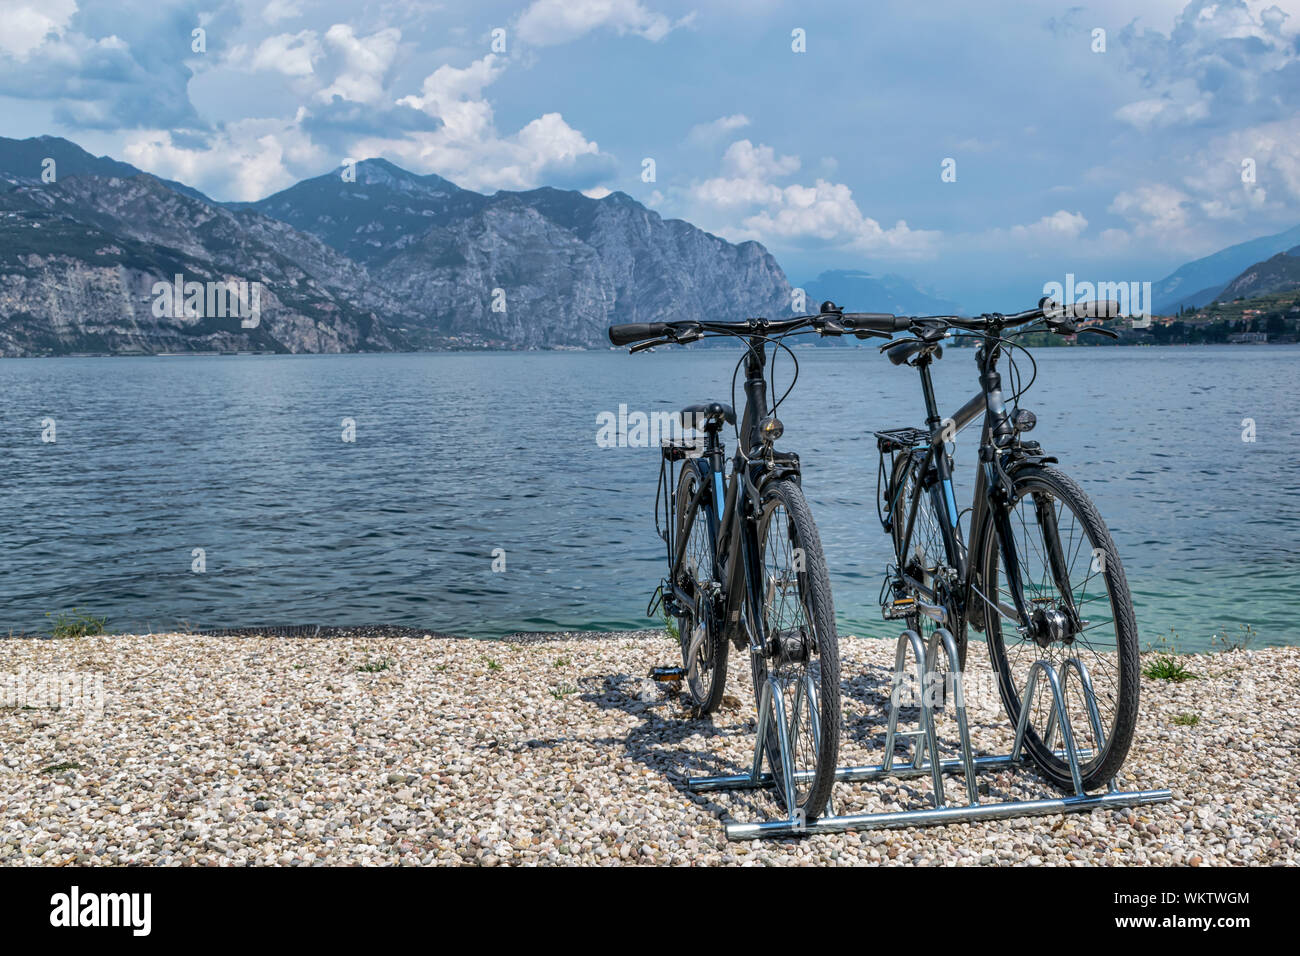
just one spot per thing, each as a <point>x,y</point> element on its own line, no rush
<point>1248,338</point>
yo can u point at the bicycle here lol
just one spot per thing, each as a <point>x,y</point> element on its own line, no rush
<point>1019,581</point>
<point>745,561</point>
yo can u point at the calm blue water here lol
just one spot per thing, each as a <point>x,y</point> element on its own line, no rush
<point>460,454</point>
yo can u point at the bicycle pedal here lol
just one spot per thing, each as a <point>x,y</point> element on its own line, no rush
<point>899,609</point>
<point>667,673</point>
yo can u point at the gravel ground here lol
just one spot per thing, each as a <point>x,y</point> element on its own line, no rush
<point>382,749</point>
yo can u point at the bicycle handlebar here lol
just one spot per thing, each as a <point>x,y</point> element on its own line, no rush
<point>832,321</point>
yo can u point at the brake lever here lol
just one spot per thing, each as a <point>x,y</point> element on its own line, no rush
<point>872,334</point>
<point>642,346</point>
<point>1109,333</point>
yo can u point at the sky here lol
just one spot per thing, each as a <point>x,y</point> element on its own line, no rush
<point>980,150</point>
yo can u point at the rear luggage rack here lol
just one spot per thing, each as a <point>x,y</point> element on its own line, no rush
<point>891,443</point>
<point>678,449</point>
<point>900,439</point>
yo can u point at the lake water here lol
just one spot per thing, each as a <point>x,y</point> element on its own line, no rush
<point>457,455</point>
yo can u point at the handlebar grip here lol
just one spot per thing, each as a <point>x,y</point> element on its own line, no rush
<point>874,321</point>
<point>630,332</point>
<point>1093,309</point>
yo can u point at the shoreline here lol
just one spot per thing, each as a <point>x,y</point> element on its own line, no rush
<point>593,349</point>
<point>402,631</point>
<point>410,751</point>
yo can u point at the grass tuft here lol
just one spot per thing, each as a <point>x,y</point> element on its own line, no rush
<point>76,623</point>
<point>1225,641</point>
<point>1165,665</point>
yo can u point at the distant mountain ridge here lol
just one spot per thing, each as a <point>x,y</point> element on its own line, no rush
<point>392,260</point>
<point>1203,280</point>
<point>1279,273</point>
<point>858,291</point>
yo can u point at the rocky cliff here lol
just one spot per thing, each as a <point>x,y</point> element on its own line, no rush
<point>380,260</point>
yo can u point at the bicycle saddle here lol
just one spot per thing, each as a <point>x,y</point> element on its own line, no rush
<point>901,352</point>
<point>708,415</point>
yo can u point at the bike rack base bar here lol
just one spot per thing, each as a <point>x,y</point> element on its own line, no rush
<point>927,739</point>
<point>864,774</point>
<point>942,815</point>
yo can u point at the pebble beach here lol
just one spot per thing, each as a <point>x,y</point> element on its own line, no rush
<point>368,748</point>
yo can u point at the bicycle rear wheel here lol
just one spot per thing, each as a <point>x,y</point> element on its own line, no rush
<point>1079,607</point>
<point>802,654</point>
<point>704,651</point>
<point>926,558</point>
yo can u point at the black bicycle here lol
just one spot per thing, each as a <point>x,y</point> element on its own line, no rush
<point>1041,576</point>
<point>745,562</point>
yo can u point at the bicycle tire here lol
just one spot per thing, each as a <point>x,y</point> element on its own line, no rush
<point>815,598</point>
<point>1121,692</point>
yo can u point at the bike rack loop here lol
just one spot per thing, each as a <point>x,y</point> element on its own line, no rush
<point>926,735</point>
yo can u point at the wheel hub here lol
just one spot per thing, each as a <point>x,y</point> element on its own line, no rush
<point>791,646</point>
<point>1050,625</point>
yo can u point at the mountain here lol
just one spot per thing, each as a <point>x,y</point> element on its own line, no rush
<point>1281,273</point>
<point>544,267</point>
<point>1202,281</point>
<point>80,258</point>
<point>25,160</point>
<point>389,260</point>
<point>376,216</point>
<point>863,292</point>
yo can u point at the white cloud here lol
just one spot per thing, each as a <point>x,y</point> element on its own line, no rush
<point>244,161</point>
<point>468,149</point>
<point>1183,103</point>
<point>277,10</point>
<point>1059,225</point>
<point>454,96</point>
<point>745,160</point>
<point>1153,209</point>
<point>824,212</point>
<point>1216,178</point>
<point>289,53</point>
<point>705,133</point>
<point>1224,61</point>
<point>362,63</point>
<point>549,22</point>
<point>27,24</point>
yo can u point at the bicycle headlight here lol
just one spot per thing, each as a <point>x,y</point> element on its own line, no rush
<point>770,429</point>
<point>1024,420</point>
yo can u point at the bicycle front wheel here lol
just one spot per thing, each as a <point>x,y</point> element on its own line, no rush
<point>1078,607</point>
<point>801,661</point>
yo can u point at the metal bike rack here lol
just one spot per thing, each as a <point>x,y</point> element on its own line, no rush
<point>935,767</point>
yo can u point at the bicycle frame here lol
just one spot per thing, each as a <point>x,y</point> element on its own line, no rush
<point>737,504</point>
<point>991,495</point>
